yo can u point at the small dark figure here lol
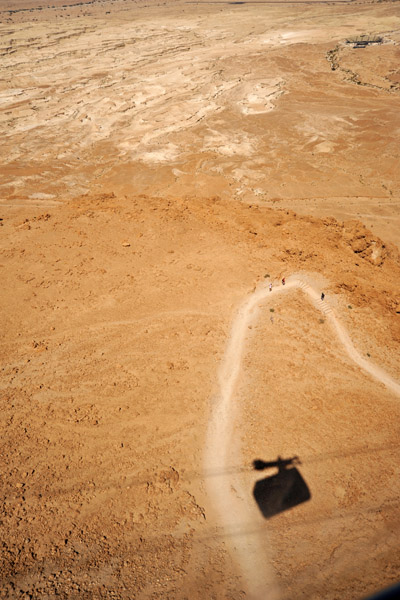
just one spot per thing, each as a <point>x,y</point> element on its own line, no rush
<point>322,296</point>
<point>283,281</point>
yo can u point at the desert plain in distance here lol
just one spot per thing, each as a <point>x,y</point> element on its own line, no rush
<point>161,163</point>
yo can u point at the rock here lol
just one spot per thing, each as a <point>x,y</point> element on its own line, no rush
<point>359,245</point>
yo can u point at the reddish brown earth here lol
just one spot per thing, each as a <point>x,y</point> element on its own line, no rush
<point>128,246</point>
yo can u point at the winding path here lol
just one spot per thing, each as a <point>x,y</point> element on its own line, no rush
<point>230,505</point>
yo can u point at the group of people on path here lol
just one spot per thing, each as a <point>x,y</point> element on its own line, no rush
<point>270,289</point>
<point>283,283</point>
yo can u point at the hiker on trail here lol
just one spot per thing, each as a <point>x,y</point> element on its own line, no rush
<point>283,281</point>
<point>272,320</point>
<point>270,287</point>
<point>322,296</point>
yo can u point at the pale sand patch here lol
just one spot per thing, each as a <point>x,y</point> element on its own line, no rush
<point>124,92</point>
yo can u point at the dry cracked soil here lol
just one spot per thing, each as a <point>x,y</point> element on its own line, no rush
<point>159,162</point>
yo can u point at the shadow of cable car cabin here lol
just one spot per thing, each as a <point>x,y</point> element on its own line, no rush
<point>282,491</point>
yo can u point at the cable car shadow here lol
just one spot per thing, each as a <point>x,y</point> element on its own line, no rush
<point>282,491</point>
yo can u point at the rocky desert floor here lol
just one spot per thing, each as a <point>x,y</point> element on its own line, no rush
<point>161,165</point>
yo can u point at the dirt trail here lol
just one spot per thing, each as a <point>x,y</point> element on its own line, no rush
<point>343,336</point>
<point>233,508</point>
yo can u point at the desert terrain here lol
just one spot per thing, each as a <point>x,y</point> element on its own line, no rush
<point>161,165</point>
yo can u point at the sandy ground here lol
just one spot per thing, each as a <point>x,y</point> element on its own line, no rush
<point>159,163</point>
<point>205,99</point>
<point>251,546</point>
